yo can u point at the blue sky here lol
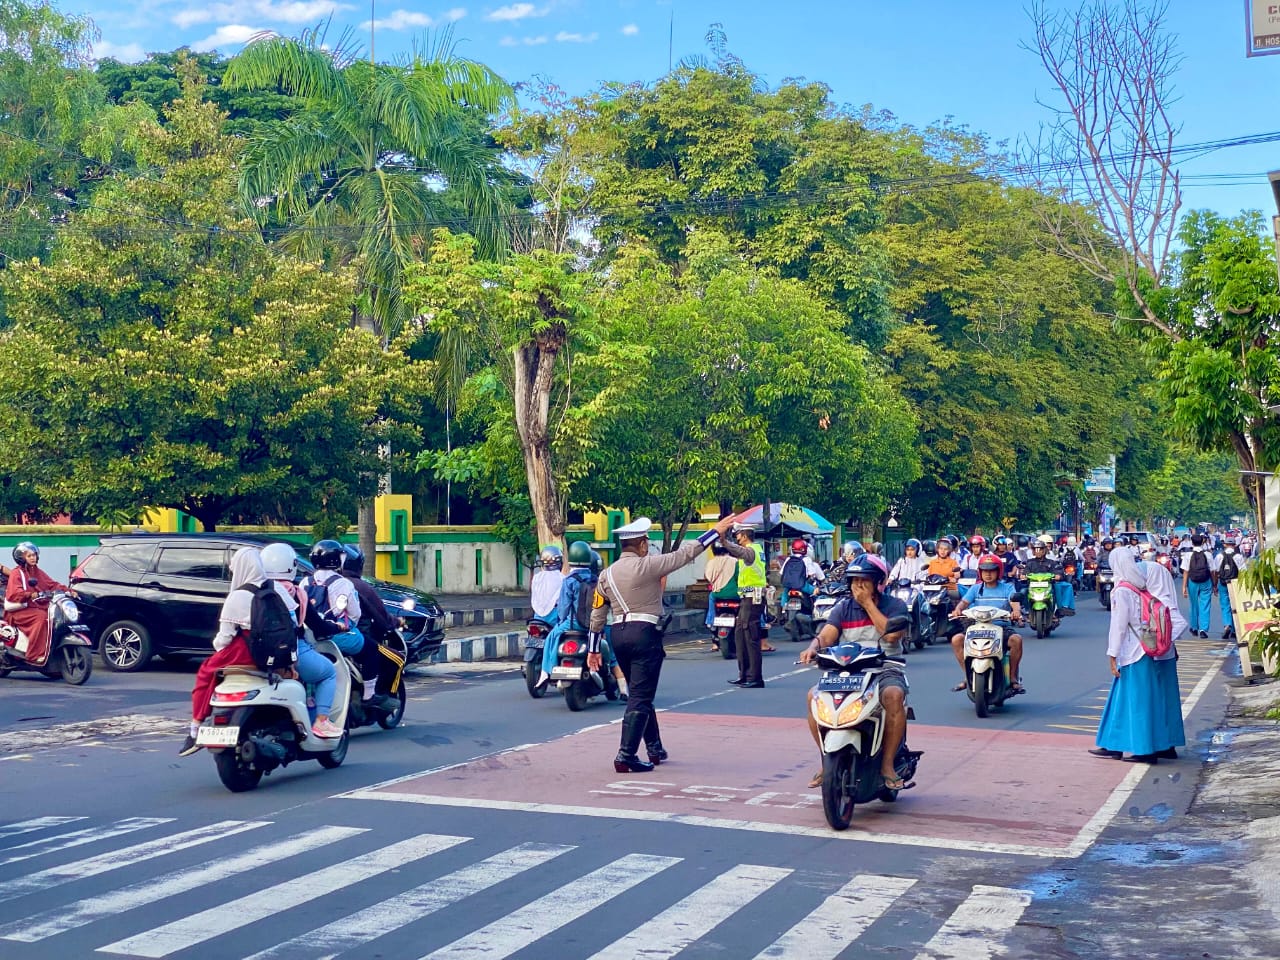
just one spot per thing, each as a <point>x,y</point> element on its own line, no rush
<point>922,61</point>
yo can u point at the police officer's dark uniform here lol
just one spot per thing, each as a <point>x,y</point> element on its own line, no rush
<point>632,587</point>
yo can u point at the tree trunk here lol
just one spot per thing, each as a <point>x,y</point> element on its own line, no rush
<point>534,373</point>
<point>366,527</point>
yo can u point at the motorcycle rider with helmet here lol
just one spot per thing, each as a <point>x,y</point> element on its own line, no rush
<point>910,565</point>
<point>977,550</point>
<point>324,589</point>
<point>375,622</point>
<point>1063,594</point>
<point>800,572</point>
<point>991,591</point>
<point>584,571</point>
<point>862,618</point>
<point>1002,549</point>
<point>929,549</point>
<point>544,590</point>
<point>24,607</point>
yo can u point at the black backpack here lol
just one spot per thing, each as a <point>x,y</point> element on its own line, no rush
<point>1198,568</point>
<point>1228,571</point>
<point>273,636</point>
<point>586,600</point>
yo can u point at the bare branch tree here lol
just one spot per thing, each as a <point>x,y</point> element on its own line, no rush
<point>1109,151</point>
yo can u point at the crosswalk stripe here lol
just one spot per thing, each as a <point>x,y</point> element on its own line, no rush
<point>695,916</point>
<point>39,823</point>
<point>399,911</point>
<point>199,927</point>
<point>91,867</point>
<point>78,838</point>
<point>549,913</point>
<point>840,920</point>
<point>977,927</point>
<point>60,919</point>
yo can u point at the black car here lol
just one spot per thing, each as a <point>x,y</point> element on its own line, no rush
<point>149,594</point>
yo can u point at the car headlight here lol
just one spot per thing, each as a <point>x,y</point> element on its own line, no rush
<point>409,604</point>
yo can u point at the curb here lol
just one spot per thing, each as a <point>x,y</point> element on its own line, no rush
<point>471,618</point>
<point>508,645</point>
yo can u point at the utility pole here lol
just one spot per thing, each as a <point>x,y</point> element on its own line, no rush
<point>373,16</point>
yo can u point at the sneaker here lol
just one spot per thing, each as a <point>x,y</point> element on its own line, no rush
<point>1204,634</point>
<point>326,730</point>
<point>189,746</point>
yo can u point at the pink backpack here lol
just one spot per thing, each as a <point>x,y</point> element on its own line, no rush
<point>1156,635</point>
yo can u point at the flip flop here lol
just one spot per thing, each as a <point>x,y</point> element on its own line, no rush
<point>895,783</point>
<point>816,780</point>
<point>959,687</point>
<point>1017,687</point>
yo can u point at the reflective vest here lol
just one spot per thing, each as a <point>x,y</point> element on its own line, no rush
<point>752,575</point>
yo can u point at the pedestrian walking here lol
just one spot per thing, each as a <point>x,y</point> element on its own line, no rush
<point>1226,568</point>
<point>1198,584</point>
<point>1161,586</point>
<point>752,581</point>
<point>632,588</point>
<point>1136,719</point>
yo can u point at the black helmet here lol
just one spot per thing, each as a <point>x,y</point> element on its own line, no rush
<point>1108,542</point>
<point>327,555</point>
<point>869,566</point>
<point>580,554</point>
<point>21,549</point>
<point>352,560</point>
<point>1023,540</point>
<point>930,548</point>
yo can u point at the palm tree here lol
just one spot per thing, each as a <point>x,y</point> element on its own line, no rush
<point>379,154</point>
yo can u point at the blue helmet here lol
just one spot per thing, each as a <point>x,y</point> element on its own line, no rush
<point>913,542</point>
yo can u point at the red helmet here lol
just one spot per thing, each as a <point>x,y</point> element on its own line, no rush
<point>978,541</point>
<point>990,561</point>
<point>799,548</point>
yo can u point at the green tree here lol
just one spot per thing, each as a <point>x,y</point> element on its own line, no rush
<point>355,174</point>
<point>165,356</point>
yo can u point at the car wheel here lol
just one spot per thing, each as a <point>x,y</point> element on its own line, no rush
<point>125,646</point>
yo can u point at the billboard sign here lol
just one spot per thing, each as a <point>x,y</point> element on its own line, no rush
<point>1262,21</point>
<point>1102,479</point>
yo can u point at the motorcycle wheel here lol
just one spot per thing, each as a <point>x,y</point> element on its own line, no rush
<point>532,671</point>
<point>727,651</point>
<point>392,720</point>
<point>235,775</point>
<point>76,665</point>
<point>980,704</point>
<point>1042,624</point>
<point>5,671</point>
<point>1106,600</point>
<point>333,759</point>
<point>837,802</point>
<point>576,696</point>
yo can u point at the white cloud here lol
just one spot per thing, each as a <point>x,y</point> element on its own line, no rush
<point>407,19</point>
<point>516,11</point>
<point>525,41</point>
<point>286,11</point>
<point>229,35</point>
<point>124,52</point>
<point>565,37</point>
<point>630,30</point>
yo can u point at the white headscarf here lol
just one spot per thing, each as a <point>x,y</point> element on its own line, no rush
<point>246,571</point>
<point>246,568</point>
<point>1127,568</point>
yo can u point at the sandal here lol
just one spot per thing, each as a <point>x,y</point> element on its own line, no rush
<point>768,649</point>
<point>816,780</point>
<point>1017,687</point>
<point>895,783</point>
<point>960,686</point>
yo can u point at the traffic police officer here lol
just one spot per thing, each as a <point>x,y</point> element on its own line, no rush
<point>751,584</point>
<point>632,587</point>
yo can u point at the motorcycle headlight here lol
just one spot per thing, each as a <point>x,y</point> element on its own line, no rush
<point>822,711</point>
<point>70,610</point>
<point>850,711</point>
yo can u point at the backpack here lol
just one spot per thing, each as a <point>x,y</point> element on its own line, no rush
<point>318,604</point>
<point>1198,567</point>
<point>586,600</point>
<point>1156,635</point>
<point>1228,571</point>
<point>794,575</point>
<point>273,636</point>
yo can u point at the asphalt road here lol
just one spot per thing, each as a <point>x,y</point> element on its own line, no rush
<point>492,825</point>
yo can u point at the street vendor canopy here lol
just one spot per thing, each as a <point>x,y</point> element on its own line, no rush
<point>792,519</point>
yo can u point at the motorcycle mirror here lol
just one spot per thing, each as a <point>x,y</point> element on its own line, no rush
<point>897,624</point>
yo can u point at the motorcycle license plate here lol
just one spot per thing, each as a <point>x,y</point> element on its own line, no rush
<point>217,736</point>
<point>932,588</point>
<point>983,633</point>
<point>566,673</point>
<point>851,684</point>
<point>793,605</point>
<point>724,621</point>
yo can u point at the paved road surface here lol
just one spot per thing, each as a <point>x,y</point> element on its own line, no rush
<point>491,825</point>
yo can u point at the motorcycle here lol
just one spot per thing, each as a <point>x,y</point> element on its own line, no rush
<point>905,590</point>
<point>70,646</point>
<point>830,592</point>
<point>573,679</point>
<point>799,622</point>
<point>535,638</point>
<point>390,711</point>
<point>724,621</point>
<point>1069,570</point>
<point>1041,604</point>
<point>986,659</point>
<point>1106,583</point>
<point>935,607</point>
<point>260,722</point>
<point>850,719</point>
<point>1089,580</point>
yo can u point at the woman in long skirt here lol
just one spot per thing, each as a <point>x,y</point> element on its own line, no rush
<point>1137,719</point>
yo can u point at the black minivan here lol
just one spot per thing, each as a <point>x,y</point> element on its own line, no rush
<point>158,594</point>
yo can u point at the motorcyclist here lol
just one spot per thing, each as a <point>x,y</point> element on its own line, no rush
<point>26,605</point>
<point>1002,548</point>
<point>969,559</point>
<point>991,591</point>
<point>910,565</point>
<point>326,590</point>
<point>849,550</point>
<point>800,573</point>
<point>930,549</point>
<point>1104,555</point>
<point>544,591</point>
<point>862,618</point>
<point>584,571</point>
<point>375,623</point>
<point>944,564</point>
<point>1063,594</point>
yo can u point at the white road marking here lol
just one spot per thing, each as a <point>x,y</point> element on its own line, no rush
<point>78,838</point>
<point>695,916</point>
<point>549,913</point>
<point>976,930</point>
<point>60,919</point>
<point>399,911</point>
<point>39,823</point>
<point>56,876</point>
<point>840,920</point>
<point>200,927</point>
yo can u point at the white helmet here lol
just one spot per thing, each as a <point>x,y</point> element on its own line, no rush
<point>279,560</point>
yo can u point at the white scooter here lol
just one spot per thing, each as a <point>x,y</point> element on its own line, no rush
<point>986,659</point>
<point>260,722</point>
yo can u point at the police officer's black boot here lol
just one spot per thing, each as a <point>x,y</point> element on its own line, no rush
<point>633,725</point>
<point>652,743</point>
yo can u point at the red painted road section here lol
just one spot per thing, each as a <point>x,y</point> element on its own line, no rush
<point>1001,787</point>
